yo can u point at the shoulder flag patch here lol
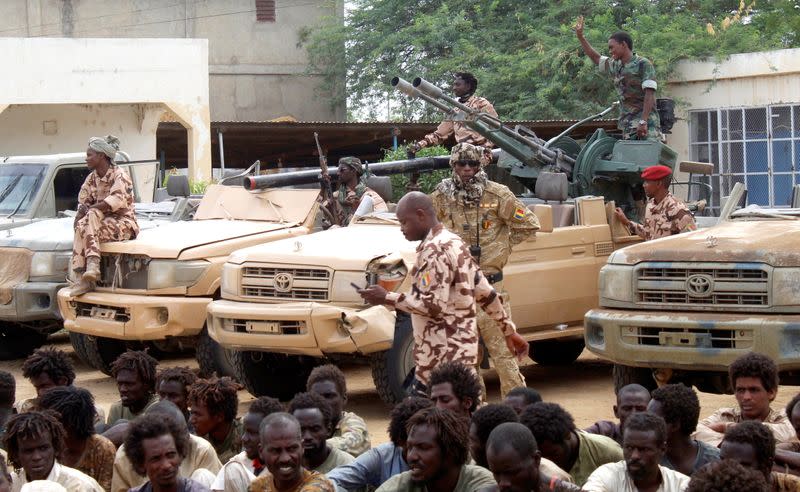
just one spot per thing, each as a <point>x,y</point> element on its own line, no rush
<point>425,279</point>
<point>519,213</point>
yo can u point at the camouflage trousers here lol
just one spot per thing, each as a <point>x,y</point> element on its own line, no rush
<point>95,228</point>
<point>504,362</point>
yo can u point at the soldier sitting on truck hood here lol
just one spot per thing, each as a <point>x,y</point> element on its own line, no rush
<point>105,211</point>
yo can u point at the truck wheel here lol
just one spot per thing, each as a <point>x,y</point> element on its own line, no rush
<point>76,339</point>
<point>101,352</point>
<point>556,352</point>
<point>17,342</point>
<point>212,357</point>
<point>268,374</point>
<point>390,368</point>
<point>625,375</point>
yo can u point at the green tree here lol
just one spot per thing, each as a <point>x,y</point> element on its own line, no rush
<point>524,51</point>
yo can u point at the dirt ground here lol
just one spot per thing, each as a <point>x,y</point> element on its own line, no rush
<point>583,388</point>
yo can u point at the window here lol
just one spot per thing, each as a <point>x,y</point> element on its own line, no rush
<point>757,146</point>
<point>265,10</point>
<point>66,185</point>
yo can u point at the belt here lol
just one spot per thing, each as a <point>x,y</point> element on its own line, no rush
<point>493,278</point>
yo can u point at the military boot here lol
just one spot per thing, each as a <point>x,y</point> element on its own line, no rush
<point>92,272</point>
<point>81,288</point>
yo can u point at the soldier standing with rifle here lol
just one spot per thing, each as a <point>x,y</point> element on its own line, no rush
<point>491,220</point>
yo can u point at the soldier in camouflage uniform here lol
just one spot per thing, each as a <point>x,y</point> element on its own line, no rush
<point>635,81</point>
<point>665,214</point>
<point>446,290</point>
<point>353,191</point>
<point>464,85</point>
<point>491,220</point>
<point>105,211</point>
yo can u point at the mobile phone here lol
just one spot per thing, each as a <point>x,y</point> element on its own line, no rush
<point>353,284</point>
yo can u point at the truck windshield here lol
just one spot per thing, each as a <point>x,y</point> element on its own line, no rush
<point>19,185</point>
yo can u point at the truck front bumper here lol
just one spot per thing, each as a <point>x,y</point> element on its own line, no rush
<point>691,341</point>
<point>32,301</point>
<point>132,317</point>
<point>303,328</point>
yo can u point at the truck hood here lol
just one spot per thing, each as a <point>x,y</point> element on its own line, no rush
<point>170,240</point>
<point>342,248</point>
<point>773,242</point>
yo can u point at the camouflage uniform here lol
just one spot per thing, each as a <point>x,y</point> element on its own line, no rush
<point>462,132</point>
<point>446,285</point>
<point>378,203</point>
<point>116,189</point>
<point>631,79</point>
<point>665,218</point>
<point>350,435</point>
<point>496,221</point>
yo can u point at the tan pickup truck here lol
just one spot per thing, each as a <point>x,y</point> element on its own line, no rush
<point>155,288</point>
<point>288,303</point>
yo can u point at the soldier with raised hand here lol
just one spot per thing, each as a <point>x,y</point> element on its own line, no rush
<point>446,290</point>
<point>665,214</point>
<point>491,220</point>
<point>635,81</point>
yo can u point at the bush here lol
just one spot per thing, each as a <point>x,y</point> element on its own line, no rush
<point>427,181</point>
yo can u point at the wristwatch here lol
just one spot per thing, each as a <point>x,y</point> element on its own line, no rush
<point>642,122</point>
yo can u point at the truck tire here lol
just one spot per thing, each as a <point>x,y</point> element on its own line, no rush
<point>556,352</point>
<point>76,339</point>
<point>625,375</point>
<point>212,357</point>
<point>390,368</point>
<point>17,342</point>
<point>268,374</point>
<point>101,352</point>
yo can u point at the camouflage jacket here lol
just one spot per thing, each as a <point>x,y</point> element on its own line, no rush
<point>350,435</point>
<point>501,221</point>
<point>669,216</point>
<point>446,285</point>
<point>116,189</point>
<point>462,132</point>
<point>631,79</point>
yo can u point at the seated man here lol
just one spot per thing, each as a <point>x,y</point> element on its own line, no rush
<point>156,446</point>
<point>315,416</point>
<point>135,373</point>
<point>173,384</point>
<point>437,451</point>
<point>514,459</point>
<point>105,211</point>
<point>727,476</point>
<point>520,397</point>
<point>349,431</point>
<point>644,441</point>
<point>574,451</point>
<point>282,453</point>
<point>788,454</point>
<point>455,387</point>
<point>8,394</point>
<point>5,477</point>
<point>200,455</point>
<point>630,399</point>
<point>755,382</point>
<point>34,440</point>
<point>84,450</point>
<point>353,197</point>
<point>381,463</point>
<point>753,445</point>
<point>679,407</point>
<point>243,468</point>
<point>213,404</point>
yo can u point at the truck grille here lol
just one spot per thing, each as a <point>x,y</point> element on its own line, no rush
<point>265,327</point>
<point>300,284</point>
<point>688,337</point>
<point>692,285</point>
<point>99,311</point>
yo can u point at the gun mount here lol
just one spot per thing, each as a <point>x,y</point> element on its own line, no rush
<point>603,165</point>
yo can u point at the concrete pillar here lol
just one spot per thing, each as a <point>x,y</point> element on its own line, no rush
<point>197,121</point>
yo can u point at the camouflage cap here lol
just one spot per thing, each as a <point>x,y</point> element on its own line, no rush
<point>468,152</point>
<point>354,163</point>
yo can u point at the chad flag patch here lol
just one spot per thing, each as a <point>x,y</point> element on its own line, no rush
<point>519,213</point>
<point>425,279</point>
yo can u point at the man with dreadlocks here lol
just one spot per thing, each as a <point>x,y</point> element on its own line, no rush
<point>34,440</point>
<point>212,412</point>
<point>135,372</point>
<point>173,385</point>
<point>491,220</point>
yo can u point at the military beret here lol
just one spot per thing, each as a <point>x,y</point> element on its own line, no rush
<point>654,173</point>
<point>354,163</point>
<point>468,152</point>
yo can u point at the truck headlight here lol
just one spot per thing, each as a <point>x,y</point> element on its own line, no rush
<point>50,264</point>
<point>229,280</point>
<point>163,274</point>
<point>343,292</point>
<point>616,283</point>
<point>784,286</point>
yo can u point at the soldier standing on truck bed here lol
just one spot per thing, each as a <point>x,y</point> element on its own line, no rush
<point>665,214</point>
<point>464,85</point>
<point>635,80</point>
<point>491,220</point>
<point>105,211</point>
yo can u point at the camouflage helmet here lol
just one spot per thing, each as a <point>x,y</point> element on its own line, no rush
<point>354,163</point>
<point>468,152</point>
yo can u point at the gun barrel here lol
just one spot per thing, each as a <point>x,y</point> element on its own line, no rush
<point>404,86</point>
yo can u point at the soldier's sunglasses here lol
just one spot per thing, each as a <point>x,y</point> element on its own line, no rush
<point>468,163</point>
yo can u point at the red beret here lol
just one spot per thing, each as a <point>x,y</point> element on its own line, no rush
<point>654,173</point>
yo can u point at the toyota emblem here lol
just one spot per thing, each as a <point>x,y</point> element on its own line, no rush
<point>283,282</point>
<point>699,285</point>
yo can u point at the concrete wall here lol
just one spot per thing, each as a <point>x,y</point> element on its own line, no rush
<point>256,69</point>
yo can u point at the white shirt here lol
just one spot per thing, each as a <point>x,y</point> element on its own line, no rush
<point>235,475</point>
<point>613,477</point>
<point>70,478</point>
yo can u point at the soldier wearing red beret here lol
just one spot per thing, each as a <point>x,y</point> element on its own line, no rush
<point>665,215</point>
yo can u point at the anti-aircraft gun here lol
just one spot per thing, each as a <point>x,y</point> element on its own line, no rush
<point>602,166</point>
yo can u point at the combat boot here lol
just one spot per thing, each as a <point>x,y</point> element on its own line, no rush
<point>81,288</point>
<point>92,272</point>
